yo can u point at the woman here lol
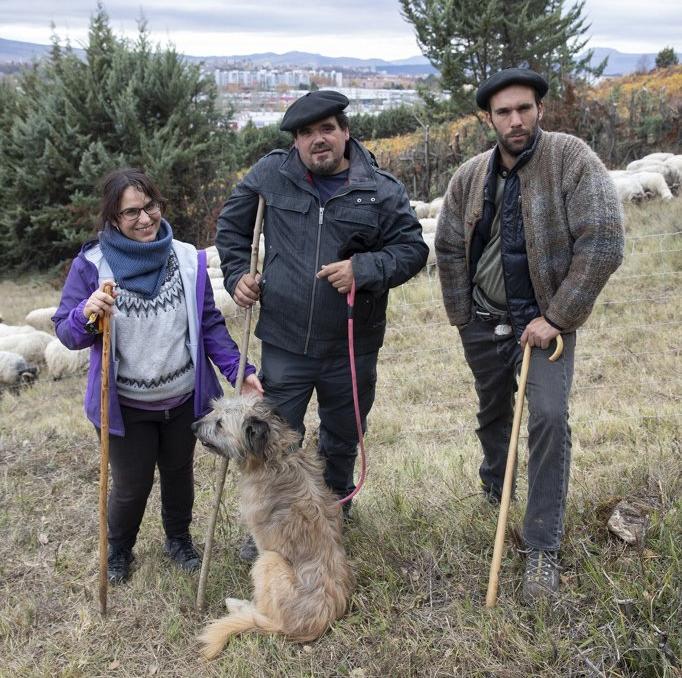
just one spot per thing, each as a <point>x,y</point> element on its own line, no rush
<point>164,328</point>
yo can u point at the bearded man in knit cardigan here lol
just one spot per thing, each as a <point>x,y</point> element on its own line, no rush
<point>528,235</point>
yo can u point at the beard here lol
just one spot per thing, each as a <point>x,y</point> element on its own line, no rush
<point>325,166</point>
<point>516,144</point>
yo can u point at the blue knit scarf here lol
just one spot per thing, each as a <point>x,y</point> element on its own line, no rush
<point>138,267</point>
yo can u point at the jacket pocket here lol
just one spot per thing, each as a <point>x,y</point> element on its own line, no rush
<point>287,220</point>
<point>356,229</point>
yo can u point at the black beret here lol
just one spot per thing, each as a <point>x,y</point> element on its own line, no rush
<point>509,76</point>
<point>311,107</point>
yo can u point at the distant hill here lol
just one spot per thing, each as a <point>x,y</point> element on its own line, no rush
<point>26,52</point>
<point>620,63</point>
<point>624,63</point>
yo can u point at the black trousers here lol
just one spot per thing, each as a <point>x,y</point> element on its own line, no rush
<point>289,380</point>
<point>164,439</point>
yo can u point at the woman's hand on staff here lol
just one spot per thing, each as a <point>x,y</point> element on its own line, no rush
<point>252,386</point>
<point>99,301</point>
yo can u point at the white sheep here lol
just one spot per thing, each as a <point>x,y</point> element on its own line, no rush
<point>31,345</point>
<point>62,362</point>
<point>225,303</point>
<point>41,318</point>
<point>653,183</point>
<point>657,157</point>
<point>435,207</point>
<point>428,225</point>
<point>214,273</point>
<point>429,239</point>
<point>10,330</point>
<point>15,371</point>
<point>676,162</point>
<point>669,172</point>
<point>421,208</point>
<point>629,188</point>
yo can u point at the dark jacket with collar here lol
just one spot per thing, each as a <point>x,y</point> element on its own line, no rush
<point>522,306</point>
<point>299,312</point>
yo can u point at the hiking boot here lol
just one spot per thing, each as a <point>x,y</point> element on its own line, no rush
<point>541,578</point>
<point>182,552</point>
<point>248,551</point>
<point>493,494</point>
<point>118,564</point>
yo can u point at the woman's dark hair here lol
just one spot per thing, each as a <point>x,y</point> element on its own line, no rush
<point>113,186</point>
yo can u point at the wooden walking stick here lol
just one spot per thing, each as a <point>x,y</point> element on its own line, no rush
<point>105,324</point>
<point>498,549</point>
<point>222,463</point>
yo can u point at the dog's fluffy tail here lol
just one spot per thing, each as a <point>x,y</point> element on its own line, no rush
<point>217,633</point>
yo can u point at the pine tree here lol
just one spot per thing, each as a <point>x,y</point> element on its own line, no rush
<point>469,40</point>
<point>666,58</point>
<point>71,120</point>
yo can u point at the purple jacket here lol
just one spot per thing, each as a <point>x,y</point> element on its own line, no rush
<point>208,335</point>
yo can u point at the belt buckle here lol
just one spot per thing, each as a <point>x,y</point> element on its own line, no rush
<point>502,330</point>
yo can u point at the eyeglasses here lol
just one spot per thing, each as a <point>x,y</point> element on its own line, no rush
<point>152,208</point>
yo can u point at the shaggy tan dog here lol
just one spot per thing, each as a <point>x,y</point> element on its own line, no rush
<point>301,578</point>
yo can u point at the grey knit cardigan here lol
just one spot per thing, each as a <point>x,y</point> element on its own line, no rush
<point>573,224</point>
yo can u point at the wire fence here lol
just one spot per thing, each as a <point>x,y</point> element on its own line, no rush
<point>628,350</point>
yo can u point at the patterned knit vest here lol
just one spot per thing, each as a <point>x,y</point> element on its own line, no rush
<point>154,361</point>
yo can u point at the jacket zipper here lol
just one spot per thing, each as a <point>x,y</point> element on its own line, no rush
<point>317,266</point>
<point>349,188</point>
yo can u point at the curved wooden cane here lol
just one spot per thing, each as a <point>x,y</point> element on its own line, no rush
<point>105,324</point>
<point>223,462</point>
<point>498,550</point>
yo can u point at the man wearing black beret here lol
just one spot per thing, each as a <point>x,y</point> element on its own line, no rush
<point>528,235</point>
<point>332,219</point>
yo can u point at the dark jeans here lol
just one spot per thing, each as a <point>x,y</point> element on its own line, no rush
<point>162,438</point>
<point>495,362</point>
<point>289,380</point>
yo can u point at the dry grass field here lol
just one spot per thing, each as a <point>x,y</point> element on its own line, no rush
<point>421,538</point>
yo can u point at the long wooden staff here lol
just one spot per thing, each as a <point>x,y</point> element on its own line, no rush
<point>498,550</point>
<point>222,464</point>
<point>104,456</point>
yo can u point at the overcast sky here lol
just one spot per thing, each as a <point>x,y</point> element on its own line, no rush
<point>359,28</point>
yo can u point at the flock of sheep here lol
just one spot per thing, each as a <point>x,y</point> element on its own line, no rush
<point>24,349</point>
<point>656,175</point>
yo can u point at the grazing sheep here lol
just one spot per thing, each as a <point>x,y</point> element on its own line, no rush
<point>62,362</point>
<point>421,209</point>
<point>212,257</point>
<point>225,303</point>
<point>657,157</point>
<point>653,183</point>
<point>31,345</point>
<point>669,172</point>
<point>429,239</point>
<point>10,330</point>
<point>41,319</point>
<point>434,207</point>
<point>15,371</point>
<point>428,225</point>
<point>629,188</point>
<point>676,162</point>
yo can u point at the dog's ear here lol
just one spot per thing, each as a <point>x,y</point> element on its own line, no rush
<point>256,434</point>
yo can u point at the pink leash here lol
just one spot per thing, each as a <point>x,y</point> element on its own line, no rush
<point>350,299</point>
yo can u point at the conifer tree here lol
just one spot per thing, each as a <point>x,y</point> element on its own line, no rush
<point>71,120</point>
<point>469,40</point>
